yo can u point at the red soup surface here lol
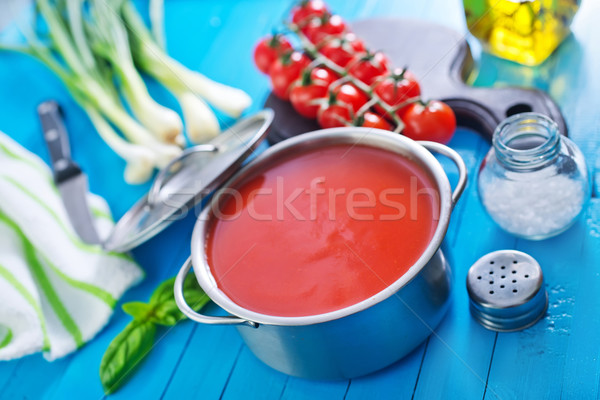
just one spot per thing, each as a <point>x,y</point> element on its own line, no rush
<point>321,230</point>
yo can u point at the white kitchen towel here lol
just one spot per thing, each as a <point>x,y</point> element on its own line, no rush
<point>56,292</point>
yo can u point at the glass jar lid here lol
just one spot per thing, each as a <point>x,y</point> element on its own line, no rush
<point>526,140</point>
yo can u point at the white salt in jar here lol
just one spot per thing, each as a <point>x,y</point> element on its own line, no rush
<point>533,182</point>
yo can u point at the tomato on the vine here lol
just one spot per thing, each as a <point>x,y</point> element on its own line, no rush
<point>308,9</point>
<point>324,27</point>
<point>333,115</point>
<point>343,103</point>
<point>349,94</point>
<point>268,49</point>
<point>368,67</point>
<point>343,49</point>
<point>285,70</point>
<point>312,86</point>
<point>372,120</point>
<point>433,121</point>
<point>397,88</point>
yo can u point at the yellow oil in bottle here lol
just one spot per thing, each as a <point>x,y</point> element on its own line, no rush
<point>525,31</point>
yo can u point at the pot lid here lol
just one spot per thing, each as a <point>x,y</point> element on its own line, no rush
<point>187,180</point>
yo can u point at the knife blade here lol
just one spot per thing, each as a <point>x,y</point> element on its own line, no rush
<point>72,183</point>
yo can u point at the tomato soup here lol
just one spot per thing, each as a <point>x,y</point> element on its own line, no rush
<point>321,230</point>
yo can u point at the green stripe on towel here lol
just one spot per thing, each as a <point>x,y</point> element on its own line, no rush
<point>14,282</point>
<point>95,211</point>
<point>53,298</point>
<point>37,269</point>
<point>101,214</point>
<point>86,287</point>
<point>7,338</point>
<point>76,241</point>
<point>27,161</point>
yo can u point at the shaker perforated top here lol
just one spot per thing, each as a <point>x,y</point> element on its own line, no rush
<point>506,291</point>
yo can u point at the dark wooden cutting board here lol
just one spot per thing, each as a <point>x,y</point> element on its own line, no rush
<point>441,59</point>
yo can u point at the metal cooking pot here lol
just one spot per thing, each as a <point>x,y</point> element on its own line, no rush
<point>368,335</point>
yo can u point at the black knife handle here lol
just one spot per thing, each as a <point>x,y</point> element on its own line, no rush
<point>57,140</point>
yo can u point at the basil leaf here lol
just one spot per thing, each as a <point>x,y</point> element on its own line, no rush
<point>193,293</point>
<point>163,292</point>
<point>136,340</point>
<point>168,313</point>
<point>165,310</point>
<point>138,310</point>
<point>124,354</point>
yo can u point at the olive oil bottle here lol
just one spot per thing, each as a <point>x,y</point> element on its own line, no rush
<point>525,31</point>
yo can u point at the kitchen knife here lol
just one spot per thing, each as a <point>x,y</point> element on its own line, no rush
<point>71,181</point>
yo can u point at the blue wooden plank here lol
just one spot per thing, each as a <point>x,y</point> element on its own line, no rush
<point>206,364</point>
<point>297,389</point>
<point>550,353</point>
<point>222,345</point>
<point>458,356</point>
<point>580,101</point>
<point>538,354</point>
<point>470,146</point>
<point>251,379</point>
<point>564,342</point>
<point>466,143</point>
<point>20,383</point>
<point>150,381</point>
<point>392,8</point>
<point>161,259</point>
<point>7,369</point>
<point>217,50</point>
<point>25,83</point>
<point>446,12</point>
<point>397,381</point>
<point>226,54</point>
<point>582,362</point>
<point>99,162</point>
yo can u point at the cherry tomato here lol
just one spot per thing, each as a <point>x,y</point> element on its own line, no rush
<point>397,88</point>
<point>334,115</point>
<point>285,70</point>
<point>312,86</point>
<point>349,94</point>
<point>368,67</point>
<point>431,121</point>
<point>342,50</point>
<point>372,120</point>
<point>308,9</point>
<point>327,26</point>
<point>268,49</point>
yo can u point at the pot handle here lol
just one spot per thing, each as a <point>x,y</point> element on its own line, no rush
<point>457,159</point>
<point>193,315</point>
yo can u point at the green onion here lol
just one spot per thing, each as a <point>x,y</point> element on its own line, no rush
<point>156,22</point>
<point>109,39</point>
<point>70,58</point>
<point>176,77</point>
<point>89,47</point>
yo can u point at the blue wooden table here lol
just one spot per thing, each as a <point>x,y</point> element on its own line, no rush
<point>557,358</point>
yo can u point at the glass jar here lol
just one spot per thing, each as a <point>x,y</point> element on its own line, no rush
<point>534,181</point>
<point>525,31</point>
